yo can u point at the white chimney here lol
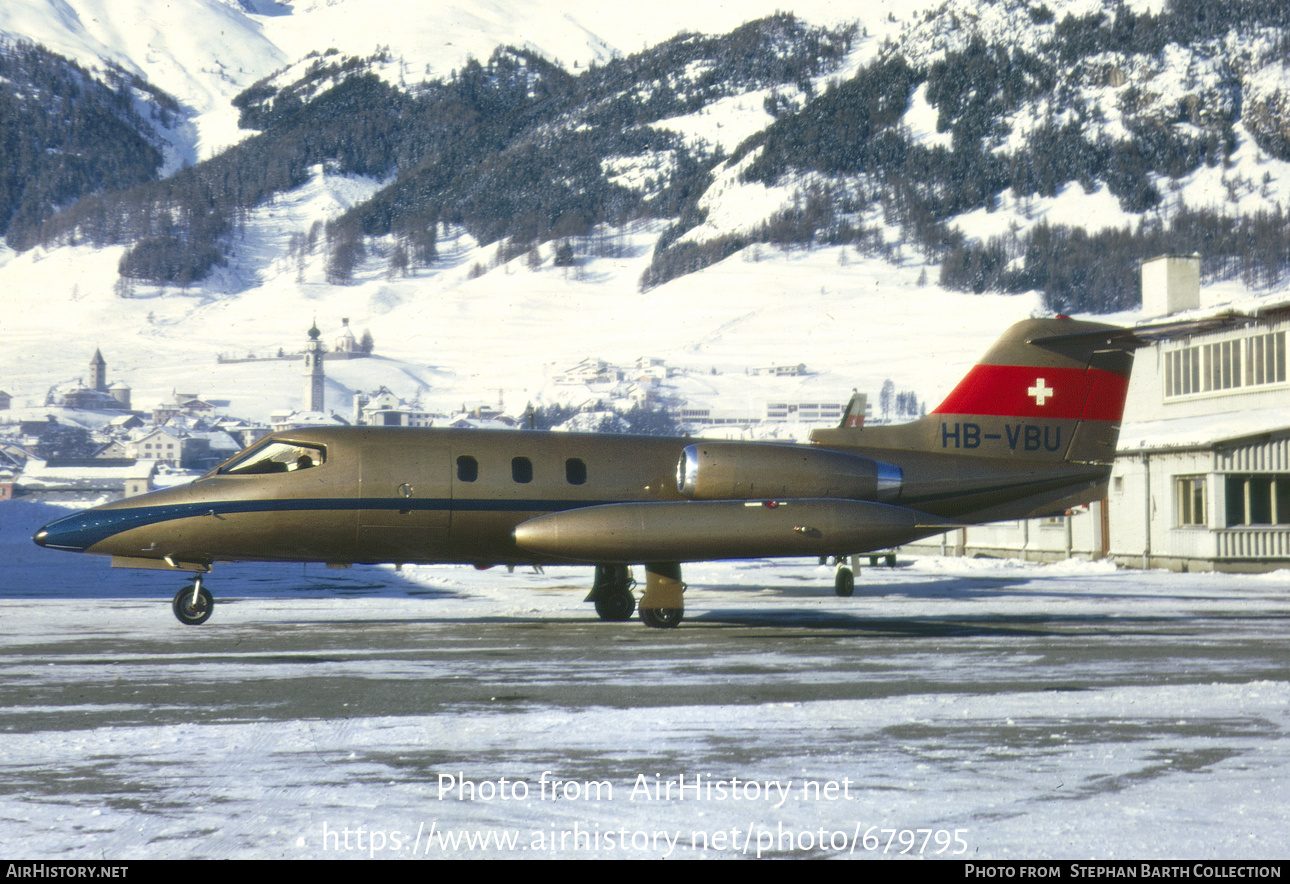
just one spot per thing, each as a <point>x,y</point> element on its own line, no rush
<point>1170,284</point>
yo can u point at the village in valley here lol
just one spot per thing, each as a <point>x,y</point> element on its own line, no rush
<point>90,438</point>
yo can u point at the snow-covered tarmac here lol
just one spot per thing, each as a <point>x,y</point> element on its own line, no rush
<point>979,709</point>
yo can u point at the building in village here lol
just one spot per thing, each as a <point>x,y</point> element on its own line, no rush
<point>12,459</point>
<point>183,405</point>
<point>105,447</point>
<point>315,380</point>
<point>780,371</point>
<point>346,346</point>
<point>483,417</point>
<point>177,447</point>
<point>1201,479</point>
<point>313,411</point>
<point>806,412</point>
<point>589,371</point>
<point>761,403</point>
<point>98,395</point>
<point>384,409</point>
<point>76,480</point>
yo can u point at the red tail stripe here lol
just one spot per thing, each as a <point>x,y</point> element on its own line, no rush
<point>1034,392</point>
<point>1106,399</point>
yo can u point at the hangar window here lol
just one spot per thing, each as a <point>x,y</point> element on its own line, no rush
<point>467,468</point>
<point>522,470</point>
<point>1266,360</point>
<point>575,471</point>
<point>1191,501</point>
<point>1258,499</point>
<point>1226,365</point>
<point>276,457</point>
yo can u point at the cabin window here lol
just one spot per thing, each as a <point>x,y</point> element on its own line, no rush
<point>467,468</point>
<point>276,457</point>
<point>522,470</point>
<point>575,471</point>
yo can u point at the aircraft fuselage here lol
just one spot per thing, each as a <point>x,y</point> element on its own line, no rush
<point>434,495</point>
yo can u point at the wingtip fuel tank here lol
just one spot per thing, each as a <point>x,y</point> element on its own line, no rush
<point>723,529</point>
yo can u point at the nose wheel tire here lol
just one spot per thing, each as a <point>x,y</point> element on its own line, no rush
<point>844,582</point>
<point>193,611</point>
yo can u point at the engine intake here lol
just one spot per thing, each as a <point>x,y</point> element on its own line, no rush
<point>742,471</point>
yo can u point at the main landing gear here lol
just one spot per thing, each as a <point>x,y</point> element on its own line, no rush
<point>662,605</point>
<point>193,604</point>
<point>612,593</point>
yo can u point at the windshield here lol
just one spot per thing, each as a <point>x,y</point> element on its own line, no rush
<point>276,457</point>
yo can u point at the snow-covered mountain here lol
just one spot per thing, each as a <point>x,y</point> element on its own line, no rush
<point>727,234</point>
<point>204,52</point>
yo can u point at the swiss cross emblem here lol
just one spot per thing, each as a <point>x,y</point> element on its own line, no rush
<point>1040,391</point>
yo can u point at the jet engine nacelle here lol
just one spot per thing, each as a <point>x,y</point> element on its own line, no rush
<point>735,471</point>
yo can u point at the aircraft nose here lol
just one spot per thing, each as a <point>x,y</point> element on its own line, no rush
<point>67,533</point>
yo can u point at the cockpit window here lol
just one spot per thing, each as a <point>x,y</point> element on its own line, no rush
<point>277,457</point>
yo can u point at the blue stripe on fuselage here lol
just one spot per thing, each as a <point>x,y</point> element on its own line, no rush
<point>81,531</point>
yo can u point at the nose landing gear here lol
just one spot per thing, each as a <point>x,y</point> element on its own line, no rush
<point>193,604</point>
<point>844,580</point>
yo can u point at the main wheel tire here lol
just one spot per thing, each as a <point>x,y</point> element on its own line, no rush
<point>662,618</point>
<point>616,606</point>
<point>193,614</point>
<point>844,584</point>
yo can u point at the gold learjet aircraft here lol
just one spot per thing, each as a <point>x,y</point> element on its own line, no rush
<point>1030,431</point>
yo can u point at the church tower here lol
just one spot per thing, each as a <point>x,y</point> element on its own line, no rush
<point>98,372</point>
<point>315,380</point>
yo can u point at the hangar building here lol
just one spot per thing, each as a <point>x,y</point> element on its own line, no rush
<point>1201,479</point>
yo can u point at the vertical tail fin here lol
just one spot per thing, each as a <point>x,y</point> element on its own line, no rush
<point>854,415</point>
<point>1048,390</point>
